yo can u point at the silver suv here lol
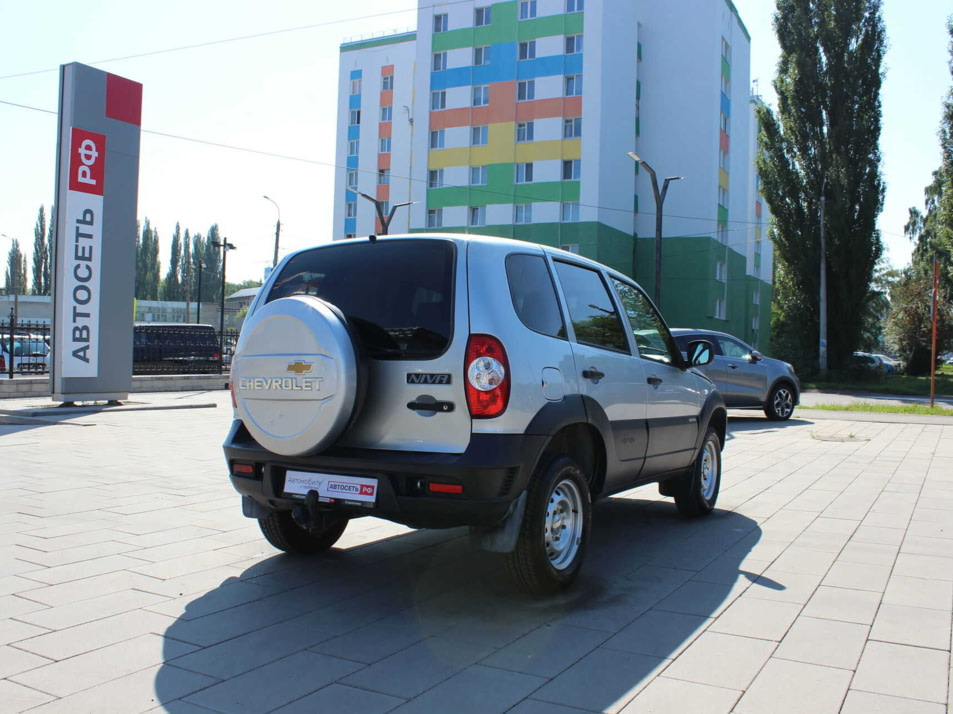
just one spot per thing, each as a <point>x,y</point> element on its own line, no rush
<point>453,380</point>
<point>745,377</point>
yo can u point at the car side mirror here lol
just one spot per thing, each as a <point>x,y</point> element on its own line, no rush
<point>756,356</point>
<point>700,353</point>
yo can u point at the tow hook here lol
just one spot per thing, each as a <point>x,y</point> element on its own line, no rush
<point>307,514</point>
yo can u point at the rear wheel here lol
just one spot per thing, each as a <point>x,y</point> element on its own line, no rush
<point>555,529</point>
<point>780,404</point>
<point>282,532</point>
<point>697,493</point>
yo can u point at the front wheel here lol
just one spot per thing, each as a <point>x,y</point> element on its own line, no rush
<point>696,494</point>
<point>780,404</point>
<point>555,529</point>
<point>280,529</point>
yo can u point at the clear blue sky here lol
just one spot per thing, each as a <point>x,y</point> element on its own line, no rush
<point>277,94</point>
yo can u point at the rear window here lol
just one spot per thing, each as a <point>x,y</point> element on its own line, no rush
<point>397,295</point>
<point>534,295</point>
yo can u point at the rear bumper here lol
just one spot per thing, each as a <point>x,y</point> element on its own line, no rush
<point>493,471</point>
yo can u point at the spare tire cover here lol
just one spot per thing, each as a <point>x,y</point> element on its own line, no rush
<point>295,375</point>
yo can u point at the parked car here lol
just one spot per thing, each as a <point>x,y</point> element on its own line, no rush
<point>890,365</point>
<point>866,366</point>
<point>31,354</point>
<point>454,380</point>
<point>746,378</point>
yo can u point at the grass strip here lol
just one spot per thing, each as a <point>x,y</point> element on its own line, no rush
<point>884,408</point>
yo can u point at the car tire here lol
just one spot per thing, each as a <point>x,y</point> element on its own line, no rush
<point>780,404</point>
<point>696,494</point>
<point>280,529</point>
<point>554,534</point>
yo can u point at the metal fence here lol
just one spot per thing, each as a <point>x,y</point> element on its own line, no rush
<point>158,348</point>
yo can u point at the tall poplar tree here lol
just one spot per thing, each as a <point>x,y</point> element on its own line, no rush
<point>171,287</point>
<point>147,263</point>
<point>41,256</point>
<point>824,140</point>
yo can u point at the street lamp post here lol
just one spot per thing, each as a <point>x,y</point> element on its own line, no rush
<point>15,310</point>
<point>225,246</point>
<point>274,261</point>
<point>659,200</point>
<point>379,205</point>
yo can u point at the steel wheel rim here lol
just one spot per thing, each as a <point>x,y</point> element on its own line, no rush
<point>708,470</point>
<point>783,402</point>
<point>562,528</point>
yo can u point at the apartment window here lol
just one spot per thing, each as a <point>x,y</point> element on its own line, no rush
<point>438,100</point>
<point>527,50</point>
<point>435,218</point>
<point>435,178</point>
<point>481,56</point>
<point>726,50</point>
<point>573,44</point>
<point>723,196</point>
<point>384,145</point>
<point>383,177</point>
<point>478,175</point>
<point>569,212</point>
<point>350,209</point>
<point>353,148</point>
<point>524,131</point>
<point>725,124</point>
<point>355,86</point>
<point>439,61</point>
<point>572,128</point>
<point>523,213</point>
<point>437,139</point>
<point>524,172</point>
<point>354,117</point>
<point>387,82</point>
<point>387,113</point>
<point>482,16</point>
<point>755,323</point>
<point>570,247</point>
<point>352,179</point>
<point>756,297</point>
<point>527,9</point>
<point>385,207</point>
<point>720,273</point>
<point>440,23</point>
<point>574,85</point>
<point>575,5</point>
<point>477,216</point>
<point>720,309</point>
<point>481,95</point>
<point>479,135</point>
<point>722,234</point>
<point>526,90</point>
<point>350,235</point>
<point>571,169</point>
<point>725,86</point>
<point>723,159</point>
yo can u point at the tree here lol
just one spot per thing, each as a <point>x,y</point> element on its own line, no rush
<point>15,274</point>
<point>823,140</point>
<point>147,263</point>
<point>41,256</point>
<point>909,328</point>
<point>171,287</point>
<point>211,257</point>
<point>185,268</point>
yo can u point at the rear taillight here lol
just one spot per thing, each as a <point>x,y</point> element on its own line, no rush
<point>488,378</point>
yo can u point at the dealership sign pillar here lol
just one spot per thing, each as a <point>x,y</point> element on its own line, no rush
<point>97,185</point>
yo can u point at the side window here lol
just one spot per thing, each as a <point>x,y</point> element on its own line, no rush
<point>591,309</point>
<point>652,337</point>
<point>733,349</point>
<point>533,294</point>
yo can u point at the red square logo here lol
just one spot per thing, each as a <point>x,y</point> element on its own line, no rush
<point>87,161</point>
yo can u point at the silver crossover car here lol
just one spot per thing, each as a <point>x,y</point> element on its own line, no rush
<point>746,378</point>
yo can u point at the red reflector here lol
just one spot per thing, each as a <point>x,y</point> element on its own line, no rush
<point>445,487</point>
<point>245,469</point>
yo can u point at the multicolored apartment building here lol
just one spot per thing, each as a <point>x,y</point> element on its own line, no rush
<point>516,119</point>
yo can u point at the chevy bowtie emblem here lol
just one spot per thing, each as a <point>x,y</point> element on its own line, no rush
<point>300,367</point>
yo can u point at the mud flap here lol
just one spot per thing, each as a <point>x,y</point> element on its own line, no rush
<point>502,537</point>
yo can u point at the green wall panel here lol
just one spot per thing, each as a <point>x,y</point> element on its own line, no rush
<point>504,27</point>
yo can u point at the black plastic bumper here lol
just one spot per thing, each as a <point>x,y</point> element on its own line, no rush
<point>493,471</point>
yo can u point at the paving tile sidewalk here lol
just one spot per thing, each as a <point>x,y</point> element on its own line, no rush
<point>130,582</point>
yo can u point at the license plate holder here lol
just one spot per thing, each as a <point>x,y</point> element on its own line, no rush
<point>332,488</point>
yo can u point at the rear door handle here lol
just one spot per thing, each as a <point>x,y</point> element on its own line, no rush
<point>592,373</point>
<point>732,366</point>
<point>654,381</point>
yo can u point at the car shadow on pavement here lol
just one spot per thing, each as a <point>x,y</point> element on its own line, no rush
<point>760,424</point>
<point>399,618</point>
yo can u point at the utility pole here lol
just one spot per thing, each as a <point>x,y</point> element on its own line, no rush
<point>225,246</point>
<point>936,289</point>
<point>274,261</point>
<point>198,300</point>
<point>379,205</point>
<point>659,200</point>
<point>822,342</point>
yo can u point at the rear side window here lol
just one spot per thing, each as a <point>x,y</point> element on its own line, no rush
<point>534,295</point>
<point>397,295</point>
<point>591,309</point>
